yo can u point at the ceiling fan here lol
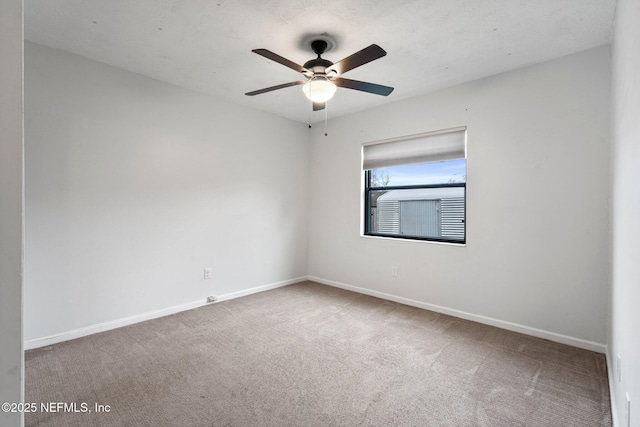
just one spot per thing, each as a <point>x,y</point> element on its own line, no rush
<point>322,75</point>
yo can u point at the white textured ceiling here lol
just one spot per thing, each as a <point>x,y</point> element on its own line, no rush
<point>206,45</point>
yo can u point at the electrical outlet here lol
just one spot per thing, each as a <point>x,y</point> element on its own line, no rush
<point>627,411</point>
<point>619,367</point>
<point>394,271</point>
<point>211,299</point>
<point>207,273</point>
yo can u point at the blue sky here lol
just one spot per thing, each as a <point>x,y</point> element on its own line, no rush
<point>426,173</point>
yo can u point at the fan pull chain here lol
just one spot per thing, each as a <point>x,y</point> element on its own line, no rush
<point>326,107</point>
<point>309,116</point>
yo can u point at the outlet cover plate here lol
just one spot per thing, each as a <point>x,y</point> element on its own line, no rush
<point>619,367</point>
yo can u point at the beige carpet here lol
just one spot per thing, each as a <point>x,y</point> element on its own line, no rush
<point>312,355</point>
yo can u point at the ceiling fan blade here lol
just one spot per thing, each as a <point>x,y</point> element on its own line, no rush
<point>363,86</point>
<point>318,106</point>
<point>269,89</point>
<point>279,59</point>
<point>359,58</point>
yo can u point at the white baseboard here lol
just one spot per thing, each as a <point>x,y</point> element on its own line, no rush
<point>101,327</point>
<point>262,288</point>
<point>551,336</point>
<point>612,392</point>
<point>113,324</point>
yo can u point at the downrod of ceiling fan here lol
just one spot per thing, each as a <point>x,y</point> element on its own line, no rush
<point>319,46</point>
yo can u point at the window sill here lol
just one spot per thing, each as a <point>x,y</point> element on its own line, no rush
<point>401,239</point>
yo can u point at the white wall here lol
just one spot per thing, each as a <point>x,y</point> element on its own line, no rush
<point>11,167</point>
<point>133,186</point>
<point>624,336</point>
<point>537,207</point>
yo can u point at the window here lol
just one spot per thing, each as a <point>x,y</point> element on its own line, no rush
<point>415,187</point>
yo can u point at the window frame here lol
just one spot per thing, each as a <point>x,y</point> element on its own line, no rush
<point>368,190</point>
<point>367,210</point>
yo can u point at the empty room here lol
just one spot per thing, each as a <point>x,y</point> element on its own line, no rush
<point>296,213</point>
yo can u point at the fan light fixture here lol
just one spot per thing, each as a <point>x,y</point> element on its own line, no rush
<point>319,89</point>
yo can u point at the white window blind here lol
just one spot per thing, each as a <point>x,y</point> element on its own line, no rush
<point>438,146</point>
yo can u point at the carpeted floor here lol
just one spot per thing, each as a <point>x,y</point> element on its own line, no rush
<point>312,355</point>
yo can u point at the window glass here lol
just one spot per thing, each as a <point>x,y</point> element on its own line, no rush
<point>453,171</point>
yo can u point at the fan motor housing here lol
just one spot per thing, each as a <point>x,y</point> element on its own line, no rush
<point>317,65</point>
